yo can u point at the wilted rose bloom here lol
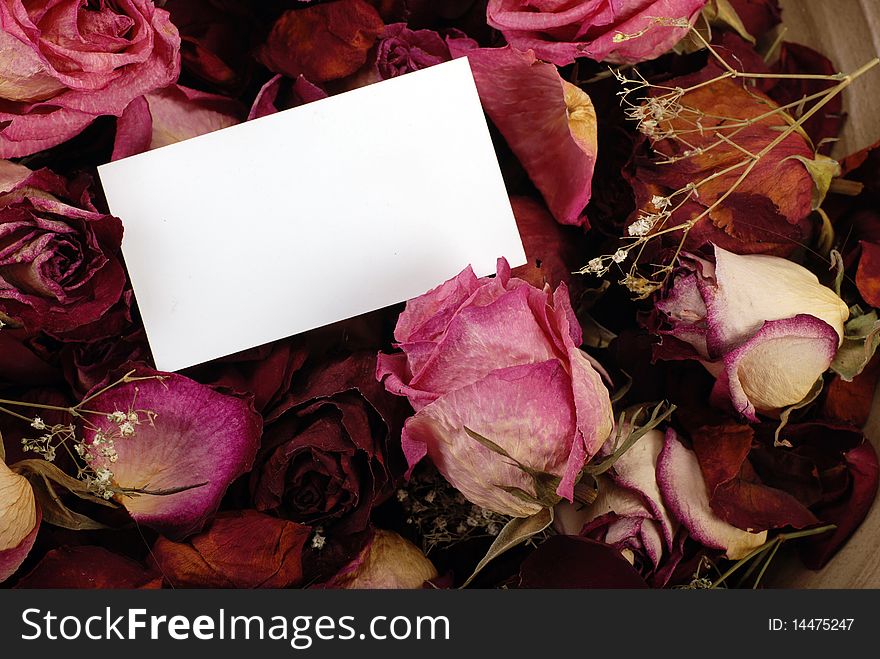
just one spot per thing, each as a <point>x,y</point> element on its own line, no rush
<point>19,520</point>
<point>502,359</point>
<point>169,448</point>
<point>617,31</point>
<point>328,455</point>
<point>66,62</point>
<point>629,513</point>
<point>401,50</point>
<point>59,261</point>
<point>388,562</point>
<point>762,325</point>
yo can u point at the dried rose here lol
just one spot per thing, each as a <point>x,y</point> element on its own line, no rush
<point>388,562</point>
<point>604,30</point>
<point>66,62</point>
<point>401,50</point>
<point>328,454</point>
<point>60,265</point>
<point>762,325</point>
<point>500,358</point>
<point>19,520</point>
<point>548,123</point>
<point>240,549</point>
<point>168,449</point>
<point>280,93</point>
<point>170,115</point>
<point>629,513</point>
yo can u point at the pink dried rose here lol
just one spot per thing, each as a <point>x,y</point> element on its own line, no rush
<point>616,31</point>
<point>170,115</point>
<point>60,263</point>
<point>629,513</point>
<point>19,520</point>
<point>499,358</point>
<point>168,449</point>
<point>388,562</point>
<point>549,124</point>
<point>64,63</point>
<point>762,325</point>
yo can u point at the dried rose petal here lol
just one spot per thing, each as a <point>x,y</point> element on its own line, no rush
<point>19,520</point>
<point>549,123</point>
<point>387,562</point>
<point>89,567</point>
<point>199,438</point>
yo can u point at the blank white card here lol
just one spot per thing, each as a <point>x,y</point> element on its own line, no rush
<point>312,215</point>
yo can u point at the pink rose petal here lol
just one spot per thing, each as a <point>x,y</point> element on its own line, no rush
<point>684,492</point>
<point>199,438</point>
<point>549,124</point>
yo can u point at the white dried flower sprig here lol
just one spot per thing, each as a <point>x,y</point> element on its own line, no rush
<point>441,515</point>
<point>653,108</point>
<point>93,460</point>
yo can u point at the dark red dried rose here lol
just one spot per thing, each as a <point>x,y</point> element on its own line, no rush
<point>331,449</point>
<point>566,561</point>
<point>59,257</point>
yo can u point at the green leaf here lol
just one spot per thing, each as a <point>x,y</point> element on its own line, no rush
<point>861,337</point>
<point>595,334</point>
<point>822,170</point>
<point>514,533</point>
<point>825,239</point>
<point>811,396</point>
<point>659,414</point>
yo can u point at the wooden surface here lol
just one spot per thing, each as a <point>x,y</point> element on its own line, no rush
<point>847,31</point>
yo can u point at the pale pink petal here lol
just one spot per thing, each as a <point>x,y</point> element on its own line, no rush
<point>685,493</point>
<point>777,366</point>
<point>526,410</point>
<point>199,438</point>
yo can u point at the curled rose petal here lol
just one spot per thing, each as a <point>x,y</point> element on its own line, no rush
<point>868,274</point>
<point>19,520</point>
<point>170,115</point>
<point>387,562</point>
<point>549,123</point>
<point>685,493</point>
<point>197,439</point>
<point>550,249</point>
<point>752,379</point>
<point>280,93</point>
<point>240,549</point>
<point>89,567</point>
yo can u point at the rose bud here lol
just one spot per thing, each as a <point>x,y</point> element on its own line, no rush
<point>629,513</point>
<point>60,264</point>
<point>603,30</point>
<point>19,520</point>
<point>388,562</point>
<point>65,63</point>
<point>401,50</point>
<point>501,389</point>
<point>762,325</point>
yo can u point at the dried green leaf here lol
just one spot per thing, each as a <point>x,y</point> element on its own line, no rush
<point>720,13</point>
<point>822,170</point>
<point>659,414</point>
<point>861,337</point>
<point>2,448</point>
<point>514,533</point>
<point>36,470</point>
<point>826,234</point>
<point>595,334</point>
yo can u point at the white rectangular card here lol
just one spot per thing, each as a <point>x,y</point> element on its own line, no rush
<point>312,215</point>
